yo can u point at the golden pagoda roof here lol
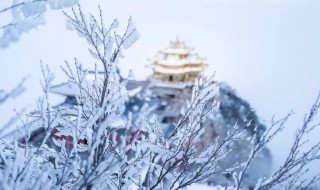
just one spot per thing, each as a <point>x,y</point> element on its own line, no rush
<point>177,63</point>
<point>178,54</point>
<point>177,47</point>
<point>178,70</point>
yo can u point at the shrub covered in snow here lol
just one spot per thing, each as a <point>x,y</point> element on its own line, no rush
<point>145,160</point>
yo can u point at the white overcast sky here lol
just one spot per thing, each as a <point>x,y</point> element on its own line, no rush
<point>268,51</point>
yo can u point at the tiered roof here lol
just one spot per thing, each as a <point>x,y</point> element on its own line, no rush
<point>178,63</point>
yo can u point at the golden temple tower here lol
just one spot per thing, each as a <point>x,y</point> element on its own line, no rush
<point>177,64</point>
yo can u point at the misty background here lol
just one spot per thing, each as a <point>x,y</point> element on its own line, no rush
<point>268,51</point>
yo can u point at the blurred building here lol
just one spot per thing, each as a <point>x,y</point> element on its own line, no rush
<point>177,63</point>
<point>165,93</point>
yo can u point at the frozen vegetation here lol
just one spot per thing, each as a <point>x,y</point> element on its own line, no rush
<point>96,147</point>
<point>24,15</point>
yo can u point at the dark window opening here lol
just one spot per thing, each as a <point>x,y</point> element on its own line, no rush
<point>162,107</point>
<point>71,100</point>
<point>168,119</point>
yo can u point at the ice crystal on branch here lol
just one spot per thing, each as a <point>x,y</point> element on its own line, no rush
<point>91,145</point>
<point>26,15</point>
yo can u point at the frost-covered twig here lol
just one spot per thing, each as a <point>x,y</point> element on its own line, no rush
<point>14,92</point>
<point>106,43</point>
<point>291,175</point>
<point>257,144</point>
<point>26,15</point>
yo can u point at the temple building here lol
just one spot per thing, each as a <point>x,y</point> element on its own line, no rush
<point>164,94</point>
<point>177,63</point>
<point>175,69</point>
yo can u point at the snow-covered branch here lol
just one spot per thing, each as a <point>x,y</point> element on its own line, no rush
<point>14,92</point>
<point>26,15</point>
<point>92,145</point>
<point>290,175</point>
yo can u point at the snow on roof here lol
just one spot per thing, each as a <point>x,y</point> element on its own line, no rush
<point>91,75</point>
<point>133,84</point>
<point>67,89</point>
<point>171,56</point>
<point>177,71</point>
<point>165,84</point>
<point>134,91</point>
<point>12,133</point>
<point>179,62</point>
<point>176,51</point>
